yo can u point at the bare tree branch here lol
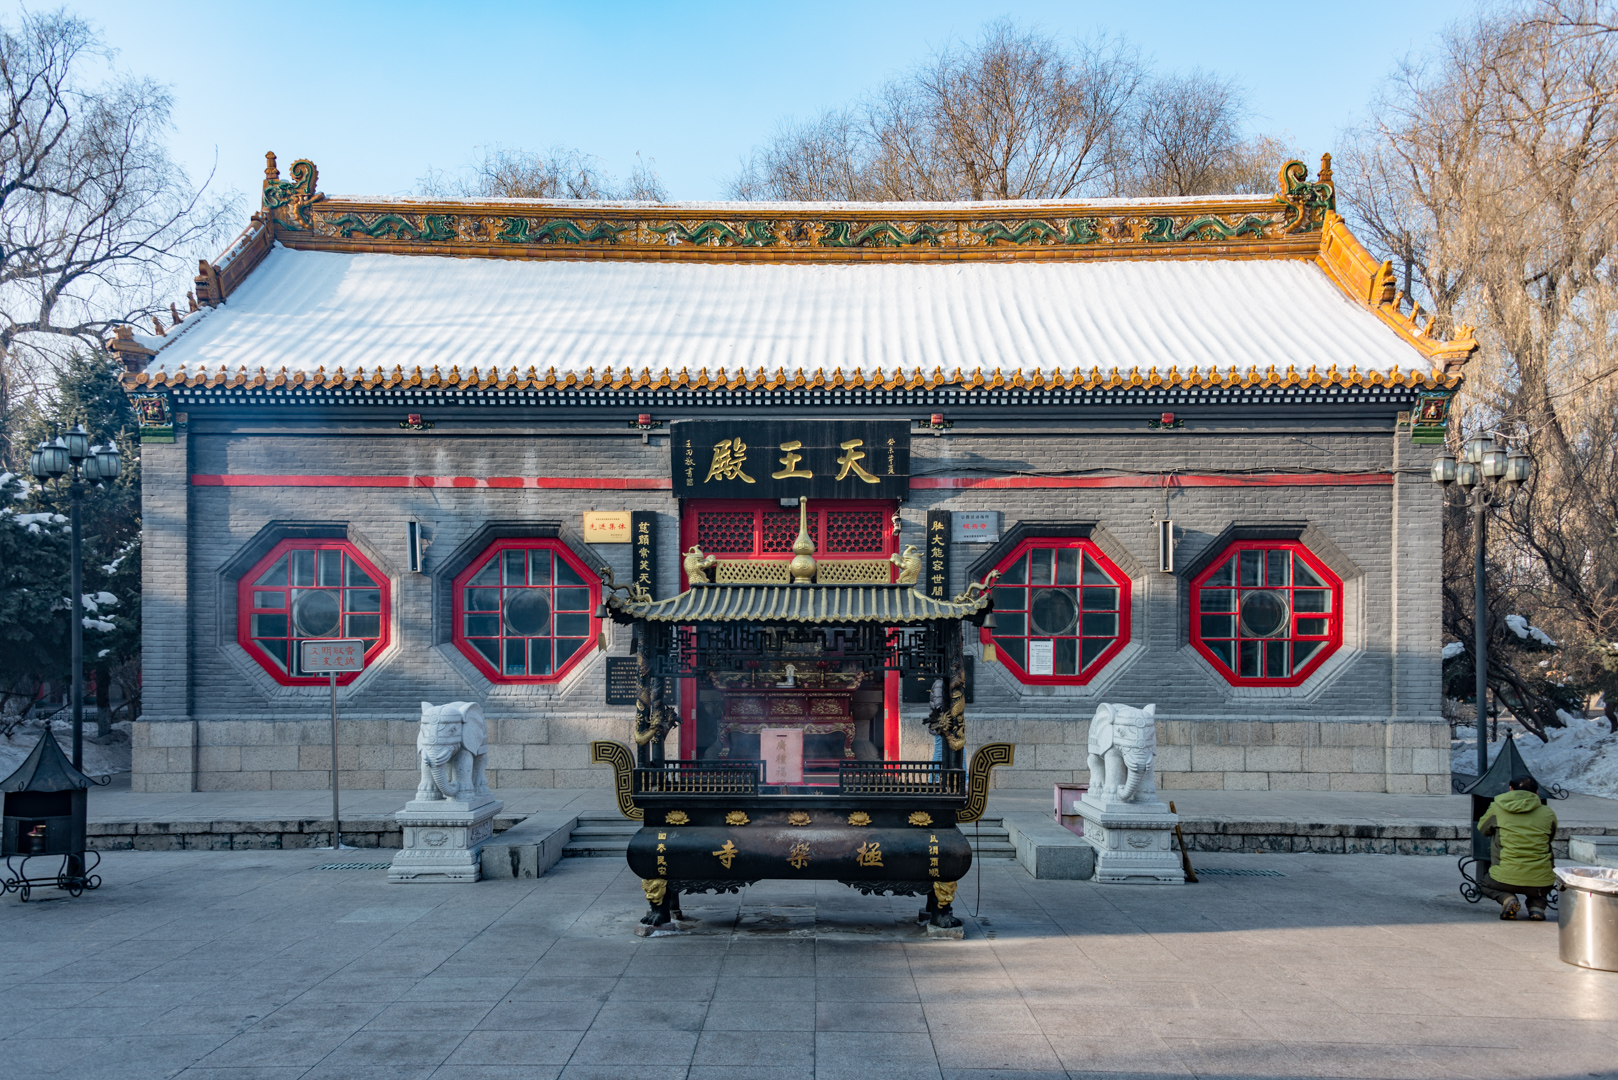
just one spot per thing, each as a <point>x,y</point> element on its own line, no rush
<point>557,173</point>
<point>97,224</point>
<point>1491,172</point>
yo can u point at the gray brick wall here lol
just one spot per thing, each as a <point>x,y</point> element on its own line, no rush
<point>1369,718</point>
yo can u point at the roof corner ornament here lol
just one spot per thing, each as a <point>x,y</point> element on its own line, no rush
<point>909,565</point>
<point>634,592</point>
<point>697,566</point>
<point>975,589</point>
<point>131,353</point>
<point>287,202</point>
<point>1310,201</point>
<point>802,566</point>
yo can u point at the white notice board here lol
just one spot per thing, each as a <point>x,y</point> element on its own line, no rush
<point>1041,656</point>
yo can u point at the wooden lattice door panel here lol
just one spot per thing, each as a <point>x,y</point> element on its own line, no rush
<point>853,532</point>
<point>767,531</point>
<point>727,532</point>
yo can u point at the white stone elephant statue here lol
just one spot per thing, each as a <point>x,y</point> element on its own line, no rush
<point>1123,745</point>
<point>453,745</point>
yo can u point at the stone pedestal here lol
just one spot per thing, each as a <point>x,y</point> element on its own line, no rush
<point>444,838</point>
<point>1134,841</point>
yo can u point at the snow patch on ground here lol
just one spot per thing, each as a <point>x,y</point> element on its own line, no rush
<point>109,755</point>
<point>1582,757</point>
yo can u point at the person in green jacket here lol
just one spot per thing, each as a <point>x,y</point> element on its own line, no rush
<point>1521,861</point>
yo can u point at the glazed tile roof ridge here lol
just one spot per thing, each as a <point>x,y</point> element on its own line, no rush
<point>1296,227</point>
<point>888,605</point>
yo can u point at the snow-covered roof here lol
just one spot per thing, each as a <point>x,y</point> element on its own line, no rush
<point>308,310</point>
<point>1269,288</point>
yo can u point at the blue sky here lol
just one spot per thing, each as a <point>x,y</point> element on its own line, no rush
<point>375,93</point>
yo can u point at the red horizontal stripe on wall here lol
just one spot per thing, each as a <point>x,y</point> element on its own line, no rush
<point>1152,481</point>
<point>569,483</point>
<point>917,483</point>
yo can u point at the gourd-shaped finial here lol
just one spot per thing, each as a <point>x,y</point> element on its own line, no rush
<point>802,566</point>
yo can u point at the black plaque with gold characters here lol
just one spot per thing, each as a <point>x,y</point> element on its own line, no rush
<point>643,549</point>
<point>769,459</point>
<point>622,680</point>
<point>937,554</point>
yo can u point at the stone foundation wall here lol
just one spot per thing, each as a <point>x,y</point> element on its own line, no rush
<point>1242,755</point>
<point>295,755</point>
<point>1255,755</point>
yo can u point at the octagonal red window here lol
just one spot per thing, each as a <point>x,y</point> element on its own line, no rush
<point>310,589</point>
<point>1266,613</point>
<point>1061,611</point>
<point>525,611</point>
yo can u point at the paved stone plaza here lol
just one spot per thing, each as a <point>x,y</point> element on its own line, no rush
<point>247,965</point>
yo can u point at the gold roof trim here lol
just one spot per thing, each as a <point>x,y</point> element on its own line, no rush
<point>1035,380</point>
<point>1357,272</point>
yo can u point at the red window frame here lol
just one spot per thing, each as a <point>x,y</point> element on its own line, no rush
<point>252,603</point>
<point>1324,640</point>
<point>498,615</point>
<point>819,509</point>
<point>1118,580</point>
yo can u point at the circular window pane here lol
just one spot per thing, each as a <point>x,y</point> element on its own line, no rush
<point>1264,614</point>
<point>1053,612</point>
<point>315,613</point>
<point>528,613</point>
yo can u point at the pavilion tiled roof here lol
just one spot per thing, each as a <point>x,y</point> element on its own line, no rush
<point>826,605</point>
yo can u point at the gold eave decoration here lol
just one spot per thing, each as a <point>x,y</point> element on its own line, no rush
<point>676,817</point>
<point>798,817</point>
<point>736,817</point>
<point>859,817</point>
<point>921,818</point>
<point>241,378</point>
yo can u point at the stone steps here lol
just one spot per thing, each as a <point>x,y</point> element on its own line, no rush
<point>600,834</point>
<point>605,834</point>
<point>989,838</point>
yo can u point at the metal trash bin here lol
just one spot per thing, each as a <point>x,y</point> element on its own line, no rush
<point>1588,916</point>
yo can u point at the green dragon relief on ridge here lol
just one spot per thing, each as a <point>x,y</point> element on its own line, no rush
<point>753,234</point>
<point>1163,230</point>
<point>882,234</point>
<point>1310,201</point>
<point>1074,231</point>
<point>433,227</point>
<point>561,231</point>
<point>294,197</point>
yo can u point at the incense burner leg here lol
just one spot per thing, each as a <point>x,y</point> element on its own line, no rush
<point>659,898</point>
<point>941,904</point>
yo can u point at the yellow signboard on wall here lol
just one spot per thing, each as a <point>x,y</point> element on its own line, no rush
<point>606,526</point>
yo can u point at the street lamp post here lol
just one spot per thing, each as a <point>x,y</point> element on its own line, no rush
<point>1488,476</point>
<point>72,455</point>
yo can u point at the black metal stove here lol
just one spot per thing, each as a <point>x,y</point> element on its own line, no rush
<point>45,803</point>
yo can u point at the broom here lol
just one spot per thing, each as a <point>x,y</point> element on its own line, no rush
<point>1185,858</point>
